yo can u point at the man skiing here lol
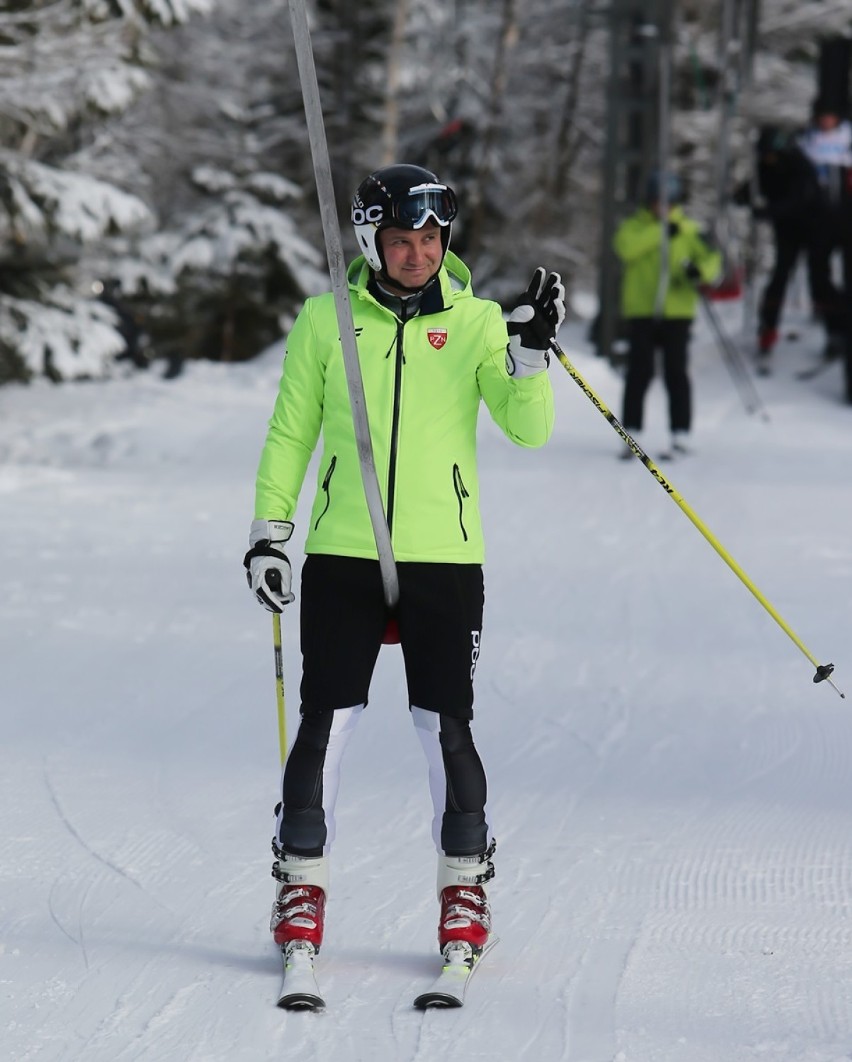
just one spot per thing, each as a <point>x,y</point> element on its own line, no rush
<point>430,352</point>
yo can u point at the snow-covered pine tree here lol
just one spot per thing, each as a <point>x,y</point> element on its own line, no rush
<point>219,150</point>
<point>65,67</point>
<point>222,283</point>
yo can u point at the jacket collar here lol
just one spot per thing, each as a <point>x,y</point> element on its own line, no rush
<point>453,281</point>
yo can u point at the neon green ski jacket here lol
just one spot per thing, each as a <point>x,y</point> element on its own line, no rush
<point>423,384</point>
<point>637,243</point>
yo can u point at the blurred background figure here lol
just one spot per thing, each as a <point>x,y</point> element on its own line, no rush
<point>827,144</point>
<point>664,258</point>
<point>109,292</point>
<point>787,194</point>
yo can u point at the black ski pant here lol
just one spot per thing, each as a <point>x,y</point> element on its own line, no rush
<point>832,232</point>
<point>647,335</point>
<point>343,619</point>
<point>791,242</point>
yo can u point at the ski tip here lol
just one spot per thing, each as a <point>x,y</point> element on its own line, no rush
<point>301,1001</point>
<point>436,1001</point>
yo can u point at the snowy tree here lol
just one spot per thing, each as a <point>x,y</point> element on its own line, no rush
<point>220,285</point>
<point>225,172</point>
<point>65,65</point>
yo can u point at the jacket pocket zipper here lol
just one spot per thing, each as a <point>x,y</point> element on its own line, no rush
<point>461,494</point>
<point>326,486</point>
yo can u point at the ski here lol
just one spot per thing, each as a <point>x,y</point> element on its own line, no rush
<point>834,350</point>
<point>299,989</point>
<point>449,988</point>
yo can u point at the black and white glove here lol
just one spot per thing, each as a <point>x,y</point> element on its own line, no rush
<point>267,569</point>
<point>533,324</point>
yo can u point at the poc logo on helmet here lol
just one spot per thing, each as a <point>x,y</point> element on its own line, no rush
<point>371,216</point>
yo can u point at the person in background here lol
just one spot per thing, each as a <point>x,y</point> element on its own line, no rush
<point>789,195</point>
<point>430,354</point>
<point>109,292</point>
<point>827,144</point>
<point>664,259</point>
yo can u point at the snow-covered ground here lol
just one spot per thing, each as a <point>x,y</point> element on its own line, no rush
<point>672,795</point>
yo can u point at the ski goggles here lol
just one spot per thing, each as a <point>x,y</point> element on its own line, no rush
<point>422,202</point>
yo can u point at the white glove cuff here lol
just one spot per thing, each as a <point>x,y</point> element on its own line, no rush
<point>275,532</point>
<point>521,361</point>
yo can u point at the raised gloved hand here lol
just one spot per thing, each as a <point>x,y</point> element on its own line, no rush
<point>267,568</point>
<point>533,324</point>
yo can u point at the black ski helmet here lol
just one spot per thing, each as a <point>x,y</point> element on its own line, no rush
<point>403,197</point>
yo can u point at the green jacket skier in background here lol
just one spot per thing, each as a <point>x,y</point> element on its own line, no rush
<point>638,243</point>
<point>664,262</point>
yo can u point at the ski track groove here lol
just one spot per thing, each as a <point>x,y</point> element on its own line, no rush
<point>590,1017</point>
<point>60,882</point>
<point>109,1027</point>
<point>548,1023</point>
<point>163,1035</point>
<point>72,830</point>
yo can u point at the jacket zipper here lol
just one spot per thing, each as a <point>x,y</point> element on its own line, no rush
<point>326,486</point>
<point>461,494</point>
<point>394,438</point>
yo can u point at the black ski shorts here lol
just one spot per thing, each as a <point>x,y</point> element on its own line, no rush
<point>343,620</point>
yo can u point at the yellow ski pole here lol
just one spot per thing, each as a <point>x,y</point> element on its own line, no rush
<point>279,685</point>
<point>274,581</point>
<point>823,671</point>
